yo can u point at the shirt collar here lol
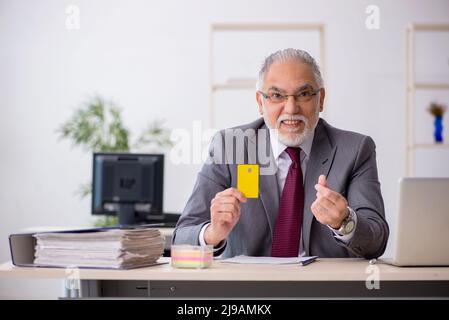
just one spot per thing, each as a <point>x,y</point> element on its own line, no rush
<point>278,147</point>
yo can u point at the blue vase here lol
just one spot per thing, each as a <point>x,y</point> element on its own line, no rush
<point>438,134</point>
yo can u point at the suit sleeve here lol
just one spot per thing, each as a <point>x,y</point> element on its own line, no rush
<point>213,177</point>
<point>365,198</point>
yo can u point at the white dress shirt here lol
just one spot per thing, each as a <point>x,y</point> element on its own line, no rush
<point>283,163</point>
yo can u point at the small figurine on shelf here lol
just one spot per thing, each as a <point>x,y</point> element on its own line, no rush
<point>437,110</point>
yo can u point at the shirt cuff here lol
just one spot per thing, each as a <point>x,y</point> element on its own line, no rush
<point>202,242</point>
<point>347,237</point>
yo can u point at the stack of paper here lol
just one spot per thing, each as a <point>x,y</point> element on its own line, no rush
<point>113,248</point>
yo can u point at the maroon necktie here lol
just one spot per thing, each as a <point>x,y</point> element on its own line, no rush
<point>287,230</point>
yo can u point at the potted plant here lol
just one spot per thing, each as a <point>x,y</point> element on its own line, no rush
<point>97,126</point>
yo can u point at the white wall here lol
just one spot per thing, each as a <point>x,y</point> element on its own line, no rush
<point>152,58</point>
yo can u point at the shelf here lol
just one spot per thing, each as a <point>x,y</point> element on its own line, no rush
<point>236,83</point>
<point>265,26</point>
<point>437,86</point>
<point>429,146</point>
<point>430,27</point>
<point>412,87</point>
<point>233,86</point>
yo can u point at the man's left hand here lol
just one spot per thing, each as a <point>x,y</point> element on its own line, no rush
<point>330,207</point>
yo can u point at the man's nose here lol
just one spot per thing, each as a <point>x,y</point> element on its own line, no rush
<point>290,105</point>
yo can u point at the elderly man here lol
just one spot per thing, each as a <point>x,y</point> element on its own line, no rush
<point>323,198</point>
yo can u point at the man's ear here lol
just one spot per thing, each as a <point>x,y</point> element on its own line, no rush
<point>322,96</point>
<point>259,102</point>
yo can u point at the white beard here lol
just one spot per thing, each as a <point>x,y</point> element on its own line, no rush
<point>297,139</point>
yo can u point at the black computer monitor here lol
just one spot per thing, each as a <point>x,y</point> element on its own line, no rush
<point>128,185</point>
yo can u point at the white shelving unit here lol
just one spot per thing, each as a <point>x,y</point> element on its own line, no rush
<point>244,85</point>
<point>414,86</point>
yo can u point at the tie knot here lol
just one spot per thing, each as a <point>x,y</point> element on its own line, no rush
<point>294,154</point>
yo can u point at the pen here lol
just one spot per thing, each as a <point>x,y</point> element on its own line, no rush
<point>304,263</point>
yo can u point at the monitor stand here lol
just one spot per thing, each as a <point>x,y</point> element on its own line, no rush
<point>167,220</point>
<point>126,214</point>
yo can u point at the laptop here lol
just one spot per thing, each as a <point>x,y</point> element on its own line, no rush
<point>422,227</point>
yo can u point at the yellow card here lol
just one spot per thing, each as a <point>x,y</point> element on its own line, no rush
<point>248,180</point>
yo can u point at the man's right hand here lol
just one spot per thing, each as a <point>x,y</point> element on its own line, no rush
<point>225,213</point>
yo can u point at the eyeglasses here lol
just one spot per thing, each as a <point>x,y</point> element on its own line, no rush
<point>301,97</point>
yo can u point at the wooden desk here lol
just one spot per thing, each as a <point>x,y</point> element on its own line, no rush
<point>323,278</point>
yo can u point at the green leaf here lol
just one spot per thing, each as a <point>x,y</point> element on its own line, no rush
<point>106,221</point>
<point>96,126</point>
<point>155,136</point>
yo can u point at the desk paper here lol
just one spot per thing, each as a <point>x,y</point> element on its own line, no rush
<point>269,260</point>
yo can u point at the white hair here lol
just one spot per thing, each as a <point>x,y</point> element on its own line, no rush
<point>288,54</point>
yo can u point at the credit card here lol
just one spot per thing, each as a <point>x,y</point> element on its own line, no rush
<point>248,180</point>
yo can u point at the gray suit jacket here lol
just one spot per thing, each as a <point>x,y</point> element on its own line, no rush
<point>347,159</point>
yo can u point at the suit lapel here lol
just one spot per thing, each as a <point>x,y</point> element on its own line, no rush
<point>268,185</point>
<point>320,161</point>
